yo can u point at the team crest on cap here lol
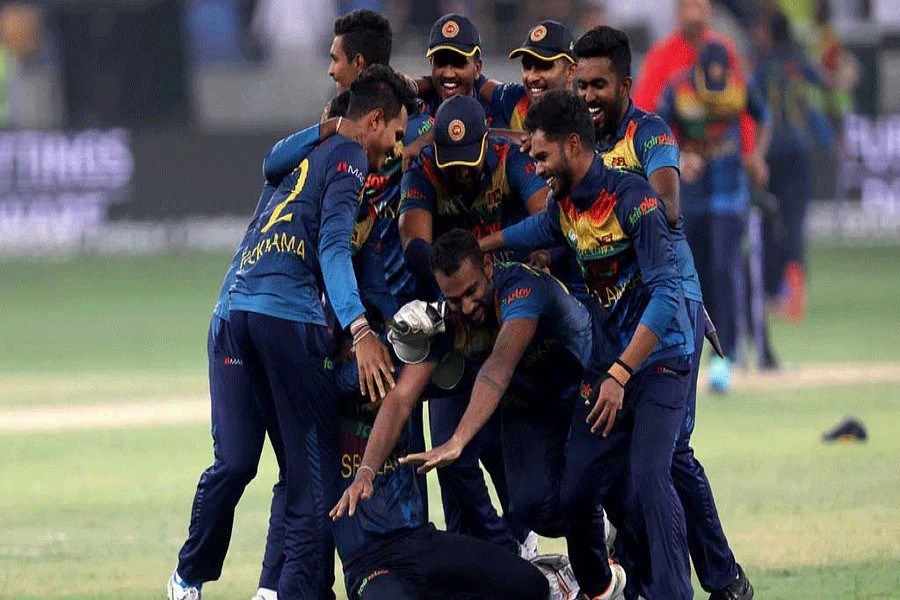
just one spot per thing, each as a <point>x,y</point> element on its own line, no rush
<point>538,33</point>
<point>456,130</point>
<point>450,29</point>
<point>717,72</point>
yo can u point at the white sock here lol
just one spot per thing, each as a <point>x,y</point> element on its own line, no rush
<point>267,594</point>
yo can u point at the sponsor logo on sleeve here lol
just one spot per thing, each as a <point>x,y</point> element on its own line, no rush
<point>647,206</point>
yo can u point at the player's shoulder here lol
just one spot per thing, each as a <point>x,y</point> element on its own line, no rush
<point>626,185</point>
<point>516,283</point>
<point>417,126</point>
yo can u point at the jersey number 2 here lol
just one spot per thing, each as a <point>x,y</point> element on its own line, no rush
<point>277,217</point>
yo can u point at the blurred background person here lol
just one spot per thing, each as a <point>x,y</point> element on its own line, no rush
<point>20,41</point>
<point>788,78</point>
<point>704,106</point>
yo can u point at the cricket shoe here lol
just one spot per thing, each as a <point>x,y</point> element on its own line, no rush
<point>740,589</point>
<point>179,589</point>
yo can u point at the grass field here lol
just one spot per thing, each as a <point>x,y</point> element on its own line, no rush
<point>100,511</point>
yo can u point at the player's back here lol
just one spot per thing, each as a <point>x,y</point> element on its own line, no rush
<point>279,273</point>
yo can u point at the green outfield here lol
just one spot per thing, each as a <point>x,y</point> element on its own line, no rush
<point>107,357</point>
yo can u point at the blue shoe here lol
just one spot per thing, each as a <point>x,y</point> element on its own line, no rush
<point>720,375</point>
<point>179,589</point>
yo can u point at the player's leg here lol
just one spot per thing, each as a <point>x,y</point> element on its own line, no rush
<point>534,440</point>
<point>467,503</point>
<point>593,467</point>
<point>294,357</point>
<point>657,394</point>
<point>491,457</point>
<point>459,567</point>
<point>238,434</point>
<point>709,550</point>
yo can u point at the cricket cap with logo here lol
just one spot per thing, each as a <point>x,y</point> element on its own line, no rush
<point>460,132</point>
<point>549,41</point>
<point>713,67</point>
<point>456,33</point>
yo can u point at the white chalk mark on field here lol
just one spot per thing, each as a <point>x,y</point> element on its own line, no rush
<point>194,409</point>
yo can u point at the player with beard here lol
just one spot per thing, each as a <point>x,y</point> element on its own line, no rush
<point>470,180</point>
<point>512,325</point>
<point>642,343</point>
<point>633,140</point>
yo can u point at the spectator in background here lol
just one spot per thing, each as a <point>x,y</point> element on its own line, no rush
<point>680,51</point>
<point>836,64</point>
<point>704,106</point>
<point>788,78</point>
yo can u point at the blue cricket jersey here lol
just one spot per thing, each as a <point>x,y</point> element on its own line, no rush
<point>643,143</point>
<point>303,141</point>
<point>618,230</point>
<point>507,182</point>
<point>395,505</point>
<point>560,350</point>
<point>300,246</point>
<point>509,104</point>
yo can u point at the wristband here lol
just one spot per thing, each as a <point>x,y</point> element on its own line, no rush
<point>361,467</point>
<point>622,364</point>
<point>359,336</point>
<point>358,324</point>
<point>610,376</point>
<point>619,373</point>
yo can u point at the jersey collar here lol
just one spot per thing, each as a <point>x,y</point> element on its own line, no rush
<point>584,194</point>
<point>622,128</point>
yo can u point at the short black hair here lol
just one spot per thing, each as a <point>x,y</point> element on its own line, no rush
<point>607,42</point>
<point>379,86</point>
<point>559,114</point>
<point>339,105</point>
<point>365,32</point>
<point>782,34</point>
<point>454,247</point>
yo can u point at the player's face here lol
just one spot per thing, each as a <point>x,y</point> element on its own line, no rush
<point>693,16</point>
<point>539,76</point>
<point>454,74</point>
<point>604,93</point>
<point>461,178</point>
<point>343,69</point>
<point>382,137</point>
<point>552,163</point>
<point>468,291</point>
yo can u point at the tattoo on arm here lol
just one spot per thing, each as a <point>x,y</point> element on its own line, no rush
<point>488,381</point>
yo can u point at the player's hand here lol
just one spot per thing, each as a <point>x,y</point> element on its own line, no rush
<point>375,367</point>
<point>692,166</point>
<point>607,406</point>
<point>525,144</point>
<point>361,489</point>
<point>435,458</point>
<point>417,320</point>
<point>540,260</point>
<point>411,152</point>
<point>757,169</point>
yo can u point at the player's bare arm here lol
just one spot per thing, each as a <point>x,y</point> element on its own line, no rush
<point>413,224</point>
<point>538,201</point>
<point>392,417</point>
<point>665,181</point>
<point>491,383</point>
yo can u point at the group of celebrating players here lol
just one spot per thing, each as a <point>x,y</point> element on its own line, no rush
<point>513,252</point>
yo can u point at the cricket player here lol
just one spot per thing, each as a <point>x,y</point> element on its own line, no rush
<point>238,431</point>
<point>471,180</point>
<point>639,142</point>
<point>511,324</point>
<point>548,63</point>
<point>301,242</point>
<point>642,342</point>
